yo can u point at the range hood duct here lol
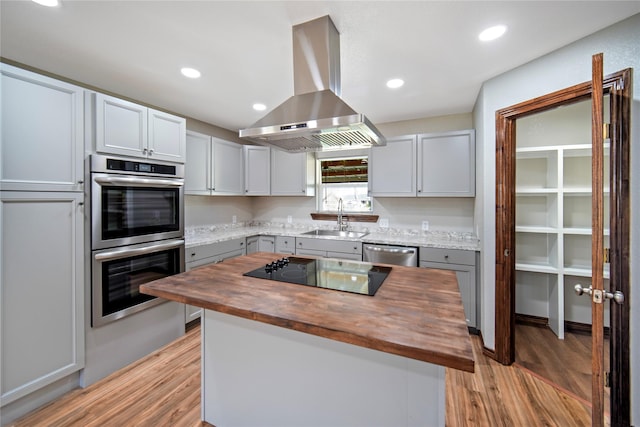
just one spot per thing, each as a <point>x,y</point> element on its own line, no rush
<point>315,118</point>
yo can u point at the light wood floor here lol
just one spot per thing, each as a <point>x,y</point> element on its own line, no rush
<point>163,389</point>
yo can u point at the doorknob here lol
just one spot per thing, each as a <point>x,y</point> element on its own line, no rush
<point>580,290</point>
<point>617,296</point>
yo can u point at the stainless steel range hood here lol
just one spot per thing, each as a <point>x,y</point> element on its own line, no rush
<point>315,118</point>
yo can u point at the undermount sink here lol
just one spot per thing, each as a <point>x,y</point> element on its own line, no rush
<point>336,233</point>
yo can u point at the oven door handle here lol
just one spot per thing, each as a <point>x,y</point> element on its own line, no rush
<point>125,253</point>
<point>138,182</point>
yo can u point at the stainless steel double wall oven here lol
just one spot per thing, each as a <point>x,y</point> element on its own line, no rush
<point>137,232</point>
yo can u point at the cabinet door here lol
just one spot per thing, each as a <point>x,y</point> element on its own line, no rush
<point>42,331</point>
<point>292,174</point>
<point>228,169</point>
<point>392,168</point>
<point>252,244</point>
<point>266,244</point>
<point>197,179</point>
<point>286,245</point>
<point>42,132</point>
<point>447,164</point>
<point>121,127</point>
<point>167,137</point>
<point>466,275</point>
<point>257,170</point>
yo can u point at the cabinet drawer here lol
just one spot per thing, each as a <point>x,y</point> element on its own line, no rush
<point>448,256</point>
<point>344,246</point>
<point>206,251</point>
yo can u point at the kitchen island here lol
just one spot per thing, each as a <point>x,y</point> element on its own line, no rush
<point>284,354</point>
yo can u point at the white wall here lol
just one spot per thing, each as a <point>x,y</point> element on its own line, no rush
<point>565,67</point>
<point>206,210</point>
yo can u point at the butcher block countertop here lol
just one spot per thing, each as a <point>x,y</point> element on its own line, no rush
<point>417,313</point>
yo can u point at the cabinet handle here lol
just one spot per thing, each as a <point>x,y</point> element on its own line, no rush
<point>446,257</point>
<point>193,254</point>
<point>150,151</point>
<point>80,203</point>
<point>80,182</point>
<point>144,150</point>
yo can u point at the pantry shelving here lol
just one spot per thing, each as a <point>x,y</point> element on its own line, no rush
<point>553,215</point>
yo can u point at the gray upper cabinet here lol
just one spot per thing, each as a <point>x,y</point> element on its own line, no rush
<point>128,129</point>
<point>393,168</point>
<point>197,179</point>
<point>257,170</point>
<point>292,174</point>
<point>213,166</point>
<point>447,164</point>
<point>426,165</point>
<point>42,133</point>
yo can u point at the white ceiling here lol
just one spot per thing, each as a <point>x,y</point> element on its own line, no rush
<point>243,49</point>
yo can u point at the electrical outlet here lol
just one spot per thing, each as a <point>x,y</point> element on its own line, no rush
<point>425,225</point>
<point>384,222</point>
<point>289,219</point>
<point>234,219</point>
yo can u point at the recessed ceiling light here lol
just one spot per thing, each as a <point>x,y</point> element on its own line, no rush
<point>259,107</point>
<point>48,3</point>
<point>395,83</point>
<point>192,73</point>
<point>492,33</point>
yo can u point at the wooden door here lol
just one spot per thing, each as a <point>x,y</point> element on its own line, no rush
<point>597,245</point>
<point>617,86</point>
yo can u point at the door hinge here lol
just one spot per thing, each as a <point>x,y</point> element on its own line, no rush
<point>607,255</point>
<point>606,130</point>
<point>607,379</point>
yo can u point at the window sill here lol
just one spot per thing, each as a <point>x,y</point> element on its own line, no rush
<point>351,217</point>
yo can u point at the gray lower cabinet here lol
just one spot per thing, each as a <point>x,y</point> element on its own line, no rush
<point>42,288</point>
<point>210,254</point>
<point>286,245</point>
<point>464,264</point>
<point>260,244</point>
<point>326,248</point>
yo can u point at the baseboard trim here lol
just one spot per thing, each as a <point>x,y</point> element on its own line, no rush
<point>569,326</point>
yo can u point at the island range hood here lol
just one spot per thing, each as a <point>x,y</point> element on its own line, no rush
<point>315,118</point>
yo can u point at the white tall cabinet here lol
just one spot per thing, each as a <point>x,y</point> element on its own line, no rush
<point>42,133</point>
<point>42,226</point>
<point>553,215</point>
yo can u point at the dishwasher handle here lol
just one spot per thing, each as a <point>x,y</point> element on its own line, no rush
<point>392,250</point>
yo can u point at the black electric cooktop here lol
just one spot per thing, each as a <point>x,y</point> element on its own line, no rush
<point>341,275</point>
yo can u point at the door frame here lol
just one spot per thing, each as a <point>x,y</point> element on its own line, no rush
<point>618,86</point>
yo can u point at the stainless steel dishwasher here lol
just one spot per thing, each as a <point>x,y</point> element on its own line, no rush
<point>385,254</point>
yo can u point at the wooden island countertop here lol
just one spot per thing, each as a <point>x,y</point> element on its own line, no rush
<point>417,313</point>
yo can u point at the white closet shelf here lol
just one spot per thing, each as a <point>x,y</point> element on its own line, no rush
<point>536,267</point>
<point>537,229</point>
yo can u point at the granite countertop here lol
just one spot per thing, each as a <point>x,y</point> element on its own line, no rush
<point>417,313</point>
<point>204,235</point>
